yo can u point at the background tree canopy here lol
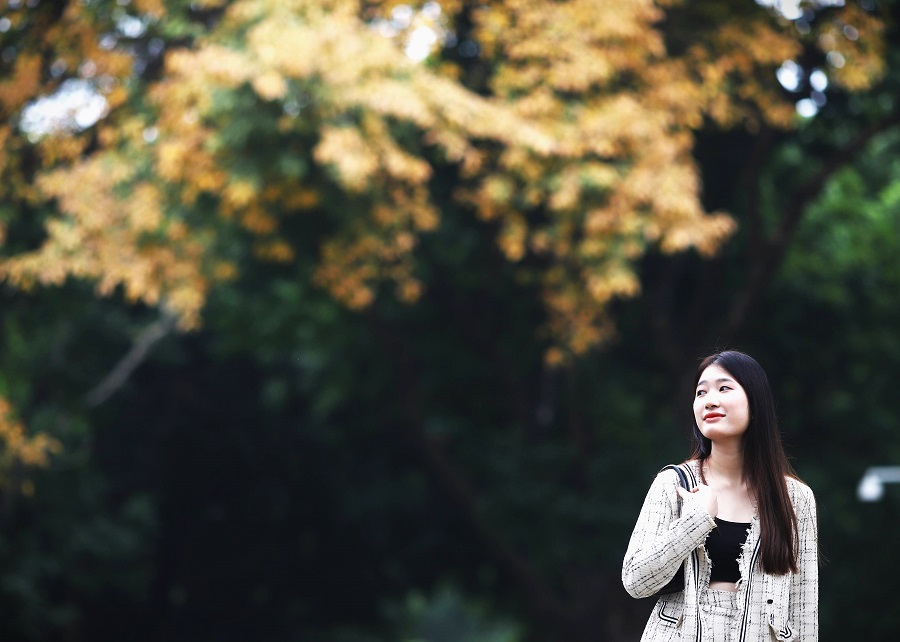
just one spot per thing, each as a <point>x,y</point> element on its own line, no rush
<point>350,321</point>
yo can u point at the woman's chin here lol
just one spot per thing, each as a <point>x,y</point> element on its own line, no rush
<point>722,435</point>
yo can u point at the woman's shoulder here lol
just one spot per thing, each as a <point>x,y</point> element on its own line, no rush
<point>798,490</point>
<point>668,472</point>
<point>668,479</point>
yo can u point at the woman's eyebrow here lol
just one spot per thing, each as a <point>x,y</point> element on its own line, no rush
<point>719,380</point>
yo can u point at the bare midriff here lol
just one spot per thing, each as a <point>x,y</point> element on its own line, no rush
<point>723,586</point>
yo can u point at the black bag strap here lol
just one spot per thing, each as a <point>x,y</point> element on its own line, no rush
<point>682,476</point>
<point>676,584</point>
<point>682,480</point>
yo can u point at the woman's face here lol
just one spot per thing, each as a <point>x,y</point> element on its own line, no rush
<point>721,407</point>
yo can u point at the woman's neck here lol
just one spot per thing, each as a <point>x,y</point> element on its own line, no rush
<point>726,463</point>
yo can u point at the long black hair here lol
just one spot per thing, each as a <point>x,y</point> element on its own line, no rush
<point>766,465</point>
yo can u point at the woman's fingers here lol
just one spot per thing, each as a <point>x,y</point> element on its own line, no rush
<point>704,494</point>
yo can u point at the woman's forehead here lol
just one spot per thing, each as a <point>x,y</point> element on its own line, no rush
<point>714,373</point>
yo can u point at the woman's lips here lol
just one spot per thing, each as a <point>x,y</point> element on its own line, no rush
<point>713,416</point>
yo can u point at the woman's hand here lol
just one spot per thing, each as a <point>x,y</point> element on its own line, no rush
<point>703,494</point>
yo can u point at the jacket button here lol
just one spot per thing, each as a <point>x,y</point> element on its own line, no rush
<point>768,601</point>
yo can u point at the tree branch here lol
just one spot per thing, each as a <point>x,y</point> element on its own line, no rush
<point>661,302</point>
<point>749,181</point>
<point>455,486</point>
<point>775,249</point>
<point>473,328</point>
<point>132,359</point>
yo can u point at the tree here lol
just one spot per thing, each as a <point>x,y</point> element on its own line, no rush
<point>576,142</point>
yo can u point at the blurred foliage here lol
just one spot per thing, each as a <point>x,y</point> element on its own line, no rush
<point>574,140</point>
<point>842,352</point>
<point>436,309</point>
<point>446,617</point>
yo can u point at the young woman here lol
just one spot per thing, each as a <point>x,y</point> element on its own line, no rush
<point>746,538</point>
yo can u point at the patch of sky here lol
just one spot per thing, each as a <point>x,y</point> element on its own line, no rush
<point>818,80</point>
<point>419,32</point>
<point>420,42</point>
<point>75,106</point>
<point>792,10</point>
<point>130,26</point>
<point>790,74</point>
<point>807,108</point>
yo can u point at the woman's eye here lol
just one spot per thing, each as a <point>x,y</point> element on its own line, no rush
<point>724,388</point>
<point>701,393</point>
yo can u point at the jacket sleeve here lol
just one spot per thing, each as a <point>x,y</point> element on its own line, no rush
<point>804,595</point>
<point>660,543</point>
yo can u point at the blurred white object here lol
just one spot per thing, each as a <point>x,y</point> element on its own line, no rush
<point>871,486</point>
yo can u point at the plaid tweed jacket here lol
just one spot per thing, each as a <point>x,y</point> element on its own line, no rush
<point>774,607</point>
